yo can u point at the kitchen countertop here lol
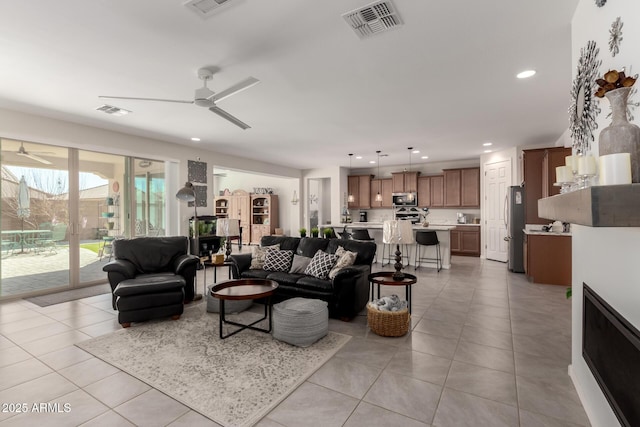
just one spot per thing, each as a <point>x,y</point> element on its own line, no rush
<point>378,226</point>
<point>545,233</point>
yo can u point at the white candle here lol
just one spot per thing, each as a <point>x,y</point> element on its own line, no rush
<point>571,162</point>
<point>563,174</point>
<point>615,169</point>
<point>586,165</point>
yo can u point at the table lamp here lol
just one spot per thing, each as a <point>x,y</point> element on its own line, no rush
<point>398,232</point>
<point>227,227</point>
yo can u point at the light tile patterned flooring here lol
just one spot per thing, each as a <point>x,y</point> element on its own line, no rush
<point>487,349</point>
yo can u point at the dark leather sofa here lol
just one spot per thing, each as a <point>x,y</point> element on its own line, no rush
<point>347,294</point>
<point>151,277</point>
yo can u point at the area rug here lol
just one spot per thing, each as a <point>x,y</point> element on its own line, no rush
<point>234,382</point>
<point>70,295</point>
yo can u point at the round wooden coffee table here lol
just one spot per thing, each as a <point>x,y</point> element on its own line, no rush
<point>386,278</point>
<point>244,289</point>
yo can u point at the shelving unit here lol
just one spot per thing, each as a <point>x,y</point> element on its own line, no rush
<point>222,205</point>
<point>264,216</point>
<point>109,234</point>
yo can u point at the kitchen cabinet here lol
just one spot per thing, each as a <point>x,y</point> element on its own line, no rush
<point>437,191</point>
<point>385,187</point>
<point>264,216</point>
<point>548,258</point>
<point>360,187</point>
<point>539,175</point>
<point>424,191</point>
<point>465,240</point>
<point>462,188</point>
<point>405,182</point>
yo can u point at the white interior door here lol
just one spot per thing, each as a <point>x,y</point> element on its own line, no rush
<point>497,181</point>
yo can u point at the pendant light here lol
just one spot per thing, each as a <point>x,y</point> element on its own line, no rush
<point>378,196</point>
<point>351,197</point>
<point>410,196</point>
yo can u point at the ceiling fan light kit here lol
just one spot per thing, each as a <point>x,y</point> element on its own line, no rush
<point>205,97</point>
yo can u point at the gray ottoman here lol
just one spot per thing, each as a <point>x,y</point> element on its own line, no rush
<point>230,306</point>
<point>300,321</point>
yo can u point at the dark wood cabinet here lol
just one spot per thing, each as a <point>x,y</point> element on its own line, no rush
<point>462,188</point>
<point>437,191</point>
<point>360,187</point>
<point>539,176</point>
<point>384,186</point>
<point>548,259</point>
<point>405,182</point>
<point>465,240</point>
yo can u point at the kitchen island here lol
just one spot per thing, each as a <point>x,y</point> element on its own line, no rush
<point>375,231</point>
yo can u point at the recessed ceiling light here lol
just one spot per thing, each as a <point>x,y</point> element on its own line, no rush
<point>487,151</point>
<point>373,162</point>
<point>487,144</point>
<point>416,151</point>
<point>359,157</point>
<point>194,139</point>
<point>424,157</point>
<point>526,74</point>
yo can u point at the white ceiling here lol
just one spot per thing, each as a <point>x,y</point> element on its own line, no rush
<point>444,82</point>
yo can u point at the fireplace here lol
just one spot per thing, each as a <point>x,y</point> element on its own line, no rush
<point>611,349</point>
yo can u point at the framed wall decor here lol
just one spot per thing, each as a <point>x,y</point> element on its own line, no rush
<point>584,107</point>
<point>197,172</point>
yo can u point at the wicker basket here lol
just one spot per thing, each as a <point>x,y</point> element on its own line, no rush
<point>388,323</point>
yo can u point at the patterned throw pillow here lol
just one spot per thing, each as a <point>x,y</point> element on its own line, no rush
<point>259,255</point>
<point>345,259</point>
<point>278,260</point>
<point>300,263</point>
<point>321,264</point>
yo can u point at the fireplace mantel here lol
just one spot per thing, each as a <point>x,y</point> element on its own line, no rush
<point>603,206</point>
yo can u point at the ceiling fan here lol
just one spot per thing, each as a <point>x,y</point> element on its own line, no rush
<point>24,153</point>
<point>205,97</point>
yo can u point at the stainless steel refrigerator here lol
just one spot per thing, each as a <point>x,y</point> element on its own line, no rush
<point>515,225</point>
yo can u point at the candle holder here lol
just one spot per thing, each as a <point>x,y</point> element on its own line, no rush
<point>584,181</point>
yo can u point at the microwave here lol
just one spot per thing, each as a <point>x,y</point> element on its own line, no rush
<point>405,199</point>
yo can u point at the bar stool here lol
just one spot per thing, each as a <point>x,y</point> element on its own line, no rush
<point>428,238</point>
<point>362,234</point>
<point>396,233</point>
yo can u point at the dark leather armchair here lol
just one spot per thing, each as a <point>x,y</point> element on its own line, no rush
<point>151,277</point>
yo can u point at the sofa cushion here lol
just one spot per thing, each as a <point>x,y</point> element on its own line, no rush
<point>255,274</point>
<point>345,259</point>
<point>299,264</point>
<point>313,283</point>
<point>259,254</point>
<point>285,278</point>
<point>309,246</point>
<point>321,264</point>
<point>278,260</point>
<point>366,250</point>
<point>286,243</point>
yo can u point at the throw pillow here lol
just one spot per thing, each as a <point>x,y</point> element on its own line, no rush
<point>321,264</point>
<point>300,263</point>
<point>259,254</point>
<point>345,259</point>
<point>278,260</point>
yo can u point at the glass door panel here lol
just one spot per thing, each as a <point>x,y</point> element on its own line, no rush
<point>149,198</point>
<point>35,217</point>
<point>103,212</point>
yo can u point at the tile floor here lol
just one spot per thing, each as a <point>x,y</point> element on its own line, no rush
<point>486,349</point>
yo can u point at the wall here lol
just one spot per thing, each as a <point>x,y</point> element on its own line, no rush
<point>45,130</point>
<point>599,250</point>
<point>336,185</point>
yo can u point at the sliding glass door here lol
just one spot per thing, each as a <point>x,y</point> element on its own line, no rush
<point>62,209</point>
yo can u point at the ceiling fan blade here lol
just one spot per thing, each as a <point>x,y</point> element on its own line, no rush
<point>238,87</point>
<point>34,157</point>
<point>146,99</point>
<point>225,115</point>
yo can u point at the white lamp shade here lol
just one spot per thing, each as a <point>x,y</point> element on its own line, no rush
<point>227,227</point>
<point>406,232</point>
<point>397,232</point>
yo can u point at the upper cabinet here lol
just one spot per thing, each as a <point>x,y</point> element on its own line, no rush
<point>405,182</point>
<point>431,191</point>
<point>360,187</point>
<point>539,176</point>
<point>384,186</point>
<point>462,188</point>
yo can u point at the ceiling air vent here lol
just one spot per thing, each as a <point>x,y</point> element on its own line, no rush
<point>115,111</point>
<point>205,8</point>
<point>373,18</point>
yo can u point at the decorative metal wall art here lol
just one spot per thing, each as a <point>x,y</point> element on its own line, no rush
<point>600,3</point>
<point>584,108</point>
<point>615,36</point>
<point>197,171</point>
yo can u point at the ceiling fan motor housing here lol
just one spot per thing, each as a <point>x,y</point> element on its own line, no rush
<point>202,96</point>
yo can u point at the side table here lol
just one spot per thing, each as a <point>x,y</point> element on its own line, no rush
<point>386,278</point>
